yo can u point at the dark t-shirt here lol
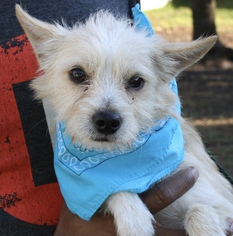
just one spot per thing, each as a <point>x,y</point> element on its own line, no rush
<point>30,200</point>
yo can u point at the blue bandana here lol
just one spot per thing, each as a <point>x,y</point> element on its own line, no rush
<point>88,177</point>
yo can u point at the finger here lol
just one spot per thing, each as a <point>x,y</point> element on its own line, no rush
<point>170,189</point>
<point>162,231</point>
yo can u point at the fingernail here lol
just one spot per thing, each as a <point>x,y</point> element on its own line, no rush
<point>195,173</point>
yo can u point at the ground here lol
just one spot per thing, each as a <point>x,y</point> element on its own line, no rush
<point>206,91</point>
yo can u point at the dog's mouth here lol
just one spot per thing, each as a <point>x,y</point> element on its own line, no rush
<point>102,139</point>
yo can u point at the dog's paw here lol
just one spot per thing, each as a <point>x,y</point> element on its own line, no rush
<point>132,218</point>
<point>135,224</point>
<point>202,220</point>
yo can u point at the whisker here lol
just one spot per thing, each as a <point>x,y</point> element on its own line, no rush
<point>38,123</point>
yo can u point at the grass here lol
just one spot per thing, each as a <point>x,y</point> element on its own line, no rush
<point>171,17</point>
<point>224,18</point>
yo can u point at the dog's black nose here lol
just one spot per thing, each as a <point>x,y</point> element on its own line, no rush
<point>107,122</point>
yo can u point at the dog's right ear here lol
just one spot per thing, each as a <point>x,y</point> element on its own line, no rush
<point>38,32</point>
<point>185,54</point>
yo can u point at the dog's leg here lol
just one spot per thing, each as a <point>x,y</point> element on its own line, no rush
<point>132,218</point>
<point>203,220</point>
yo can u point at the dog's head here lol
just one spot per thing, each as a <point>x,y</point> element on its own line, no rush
<point>107,81</point>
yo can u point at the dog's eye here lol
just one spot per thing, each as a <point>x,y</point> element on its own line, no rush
<point>136,82</point>
<point>78,75</point>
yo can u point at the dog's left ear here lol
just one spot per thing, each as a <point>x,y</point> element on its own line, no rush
<point>188,53</point>
<point>38,32</point>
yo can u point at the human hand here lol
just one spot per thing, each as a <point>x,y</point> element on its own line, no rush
<point>156,198</point>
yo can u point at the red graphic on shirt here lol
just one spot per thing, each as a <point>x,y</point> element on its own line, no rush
<point>37,205</point>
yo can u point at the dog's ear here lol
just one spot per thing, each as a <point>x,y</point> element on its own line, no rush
<point>185,54</point>
<point>38,32</point>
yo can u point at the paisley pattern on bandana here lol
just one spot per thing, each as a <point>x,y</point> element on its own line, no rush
<point>78,159</point>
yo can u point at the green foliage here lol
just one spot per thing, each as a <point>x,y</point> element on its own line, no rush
<point>181,3</point>
<point>225,4</point>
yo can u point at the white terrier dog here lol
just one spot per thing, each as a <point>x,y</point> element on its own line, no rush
<point>108,84</point>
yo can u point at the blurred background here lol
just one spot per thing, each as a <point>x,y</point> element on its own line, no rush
<point>206,89</point>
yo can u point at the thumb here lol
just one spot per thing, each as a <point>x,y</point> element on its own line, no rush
<point>170,189</point>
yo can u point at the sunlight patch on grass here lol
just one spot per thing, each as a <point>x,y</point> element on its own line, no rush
<point>224,19</point>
